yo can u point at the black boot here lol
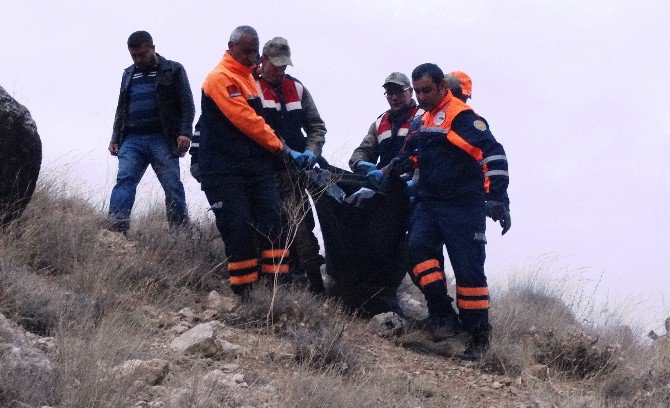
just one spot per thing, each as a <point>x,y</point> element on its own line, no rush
<point>477,346</point>
<point>445,326</point>
<point>315,281</point>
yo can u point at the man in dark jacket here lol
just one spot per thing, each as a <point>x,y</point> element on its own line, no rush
<point>464,178</point>
<point>153,125</point>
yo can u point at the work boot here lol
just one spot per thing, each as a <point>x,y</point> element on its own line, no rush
<point>477,346</point>
<point>315,281</point>
<point>441,327</point>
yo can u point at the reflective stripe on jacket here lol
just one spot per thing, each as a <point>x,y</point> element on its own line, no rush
<point>289,109</point>
<point>459,159</point>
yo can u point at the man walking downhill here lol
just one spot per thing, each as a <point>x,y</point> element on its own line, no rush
<point>289,109</point>
<point>153,125</point>
<point>464,178</point>
<point>237,164</point>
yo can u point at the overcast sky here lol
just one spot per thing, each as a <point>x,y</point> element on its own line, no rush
<point>576,91</point>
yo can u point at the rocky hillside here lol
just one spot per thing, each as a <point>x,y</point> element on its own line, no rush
<point>90,318</point>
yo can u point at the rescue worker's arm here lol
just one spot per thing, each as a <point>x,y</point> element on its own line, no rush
<point>229,98</point>
<point>314,126</point>
<point>195,148</point>
<point>368,150</point>
<point>471,134</point>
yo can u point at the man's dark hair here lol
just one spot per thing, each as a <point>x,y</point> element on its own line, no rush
<point>430,70</point>
<point>139,38</point>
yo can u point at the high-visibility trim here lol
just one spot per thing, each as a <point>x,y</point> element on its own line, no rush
<point>244,279</point>
<point>473,304</point>
<point>250,263</point>
<point>293,106</point>
<point>430,278</point>
<point>424,266</point>
<point>493,158</point>
<point>275,268</point>
<point>473,151</point>
<point>478,291</point>
<point>383,136</point>
<point>275,253</point>
<point>496,173</point>
<point>435,129</point>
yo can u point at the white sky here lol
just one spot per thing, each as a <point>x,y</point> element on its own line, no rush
<point>576,92</point>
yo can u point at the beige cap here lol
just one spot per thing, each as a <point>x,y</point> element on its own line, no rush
<point>278,51</point>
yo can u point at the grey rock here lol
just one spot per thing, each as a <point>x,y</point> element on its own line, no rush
<point>142,372</point>
<point>27,374</point>
<point>199,340</point>
<point>20,157</point>
<point>388,324</point>
<point>187,313</point>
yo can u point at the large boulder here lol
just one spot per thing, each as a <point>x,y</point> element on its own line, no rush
<point>20,157</point>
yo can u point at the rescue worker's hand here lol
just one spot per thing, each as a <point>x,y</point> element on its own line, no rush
<point>183,143</point>
<point>499,212</point>
<point>375,177</point>
<point>195,171</point>
<point>113,149</point>
<point>365,167</point>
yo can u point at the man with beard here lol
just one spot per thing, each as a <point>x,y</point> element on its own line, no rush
<point>463,179</point>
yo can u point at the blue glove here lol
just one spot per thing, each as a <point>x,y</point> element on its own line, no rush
<point>296,156</point>
<point>411,187</point>
<point>375,177</point>
<point>365,167</point>
<point>309,158</point>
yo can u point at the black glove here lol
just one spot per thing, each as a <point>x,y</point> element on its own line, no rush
<point>499,212</point>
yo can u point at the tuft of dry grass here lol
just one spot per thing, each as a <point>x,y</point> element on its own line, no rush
<point>315,327</point>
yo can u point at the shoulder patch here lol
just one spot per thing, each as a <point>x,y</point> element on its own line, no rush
<point>440,117</point>
<point>233,91</point>
<point>479,125</point>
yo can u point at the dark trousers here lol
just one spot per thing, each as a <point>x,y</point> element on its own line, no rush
<point>462,230</point>
<point>305,245</point>
<point>248,215</point>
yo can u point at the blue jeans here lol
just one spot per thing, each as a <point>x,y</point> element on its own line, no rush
<point>137,152</point>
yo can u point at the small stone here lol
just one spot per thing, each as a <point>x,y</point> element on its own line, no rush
<point>187,313</point>
<point>496,385</point>
<point>180,328</point>
<point>209,314</point>
<point>214,300</point>
<point>228,304</point>
<point>229,348</point>
<point>46,344</point>
<point>387,324</point>
<point>199,340</point>
<point>143,373</point>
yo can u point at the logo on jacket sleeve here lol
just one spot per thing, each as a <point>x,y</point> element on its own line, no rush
<point>440,117</point>
<point>479,125</point>
<point>233,91</point>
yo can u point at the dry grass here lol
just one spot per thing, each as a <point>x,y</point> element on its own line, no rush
<point>60,277</point>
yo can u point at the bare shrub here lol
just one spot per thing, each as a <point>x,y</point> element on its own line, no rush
<point>87,352</point>
<point>56,232</point>
<point>314,327</point>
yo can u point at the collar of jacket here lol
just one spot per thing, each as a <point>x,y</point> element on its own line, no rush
<point>445,101</point>
<point>232,65</point>
<point>160,65</point>
<point>402,114</point>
